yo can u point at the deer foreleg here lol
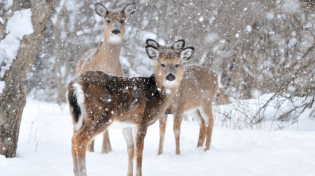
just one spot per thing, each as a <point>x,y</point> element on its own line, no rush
<point>162,132</point>
<point>130,148</point>
<point>141,132</point>
<point>177,122</point>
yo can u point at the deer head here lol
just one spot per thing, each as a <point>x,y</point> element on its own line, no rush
<point>169,67</point>
<point>114,21</point>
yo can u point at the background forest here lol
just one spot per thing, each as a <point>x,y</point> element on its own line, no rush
<point>257,47</point>
<point>262,50</point>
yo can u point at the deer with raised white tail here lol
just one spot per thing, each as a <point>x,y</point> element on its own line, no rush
<point>195,94</point>
<point>97,100</point>
<point>106,57</point>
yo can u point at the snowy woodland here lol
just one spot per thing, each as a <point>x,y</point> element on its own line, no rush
<point>263,52</point>
<point>257,47</point>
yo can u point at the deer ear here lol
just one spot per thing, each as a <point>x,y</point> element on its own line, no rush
<point>129,9</point>
<point>151,42</point>
<point>153,52</point>
<point>101,10</point>
<point>186,53</point>
<point>179,44</point>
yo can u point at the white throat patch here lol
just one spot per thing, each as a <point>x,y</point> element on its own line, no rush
<point>170,83</point>
<point>115,39</point>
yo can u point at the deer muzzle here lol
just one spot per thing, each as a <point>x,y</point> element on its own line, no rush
<point>170,77</point>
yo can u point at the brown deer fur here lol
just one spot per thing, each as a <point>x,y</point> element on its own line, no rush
<point>97,100</point>
<point>196,93</point>
<point>106,57</point>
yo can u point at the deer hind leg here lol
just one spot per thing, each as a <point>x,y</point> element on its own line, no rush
<point>80,140</point>
<point>202,133</point>
<point>78,155</point>
<point>79,145</point>
<point>162,132</point>
<point>106,147</point>
<point>74,157</point>
<point>90,146</point>
<point>140,135</point>
<point>209,120</point>
<point>130,148</point>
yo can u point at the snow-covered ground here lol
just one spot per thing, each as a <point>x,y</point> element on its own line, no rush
<point>46,130</point>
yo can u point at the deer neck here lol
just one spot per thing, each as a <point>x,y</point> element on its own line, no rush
<point>107,57</point>
<point>166,94</point>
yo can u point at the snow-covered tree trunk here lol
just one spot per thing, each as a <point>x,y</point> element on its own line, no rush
<point>14,80</point>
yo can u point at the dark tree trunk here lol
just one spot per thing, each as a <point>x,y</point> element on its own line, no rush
<point>13,98</point>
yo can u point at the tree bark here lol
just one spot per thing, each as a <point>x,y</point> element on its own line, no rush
<point>13,98</point>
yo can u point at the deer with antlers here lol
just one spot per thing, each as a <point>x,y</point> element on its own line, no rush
<point>106,57</point>
<point>195,94</point>
<point>97,100</point>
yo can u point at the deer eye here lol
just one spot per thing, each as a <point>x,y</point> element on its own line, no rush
<point>122,21</point>
<point>163,65</point>
<point>176,65</point>
<point>108,21</point>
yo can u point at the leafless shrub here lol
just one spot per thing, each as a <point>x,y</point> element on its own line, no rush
<point>257,47</point>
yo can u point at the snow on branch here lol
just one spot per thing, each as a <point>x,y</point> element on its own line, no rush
<point>19,25</point>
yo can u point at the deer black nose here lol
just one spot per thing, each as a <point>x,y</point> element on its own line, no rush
<point>116,31</point>
<point>170,77</point>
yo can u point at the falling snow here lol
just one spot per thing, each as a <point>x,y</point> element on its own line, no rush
<point>263,53</point>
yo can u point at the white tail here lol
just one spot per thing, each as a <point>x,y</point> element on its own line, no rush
<point>106,57</point>
<point>78,93</point>
<point>137,102</point>
<point>196,93</point>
